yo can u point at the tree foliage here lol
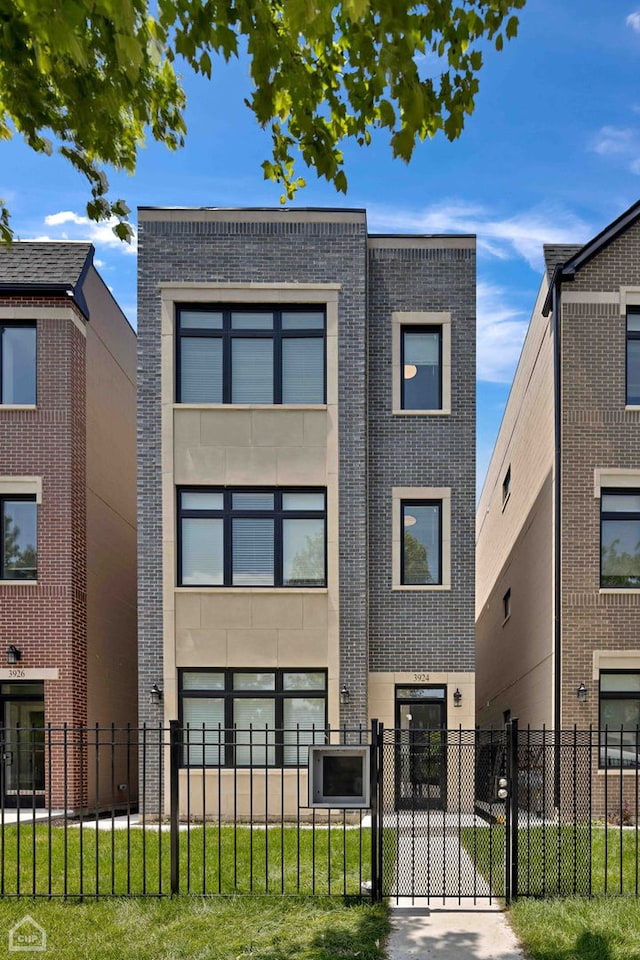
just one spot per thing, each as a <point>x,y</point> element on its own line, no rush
<point>92,78</point>
<point>416,566</point>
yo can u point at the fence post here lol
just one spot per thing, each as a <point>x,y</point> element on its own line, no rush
<point>175,748</point>
<point>373,799</point>
<point>514,783</point>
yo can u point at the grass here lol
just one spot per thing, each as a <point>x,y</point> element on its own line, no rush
<point>578,929</point>
<point>563,859</point>
<point>213,859</point>
<point>255,928</point>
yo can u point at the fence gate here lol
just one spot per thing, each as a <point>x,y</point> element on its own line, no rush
<point>442,829</point>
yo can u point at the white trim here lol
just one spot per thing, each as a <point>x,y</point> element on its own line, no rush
<point>22,486</point>
<point>629,297</point>
<point>32,314</point>
<point>29,673</point>
<point>623,477</point>
<point>614,660</point>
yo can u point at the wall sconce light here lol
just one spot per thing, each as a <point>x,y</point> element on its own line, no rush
<point>156,694</point>
<point>581,693</point>
<point>13,654</point>
<point>345,694</point>
<point>457,698</point>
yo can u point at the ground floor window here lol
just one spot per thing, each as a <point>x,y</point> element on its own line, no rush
<point>250,718</point>
<point>619,718</point>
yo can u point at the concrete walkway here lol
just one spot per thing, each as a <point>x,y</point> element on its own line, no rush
<point>448,931</point>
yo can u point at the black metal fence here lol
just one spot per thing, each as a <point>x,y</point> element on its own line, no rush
<point>467,814</point>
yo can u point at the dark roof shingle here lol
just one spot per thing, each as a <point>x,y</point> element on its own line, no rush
<point>27,262</point>
<point>555,253</point>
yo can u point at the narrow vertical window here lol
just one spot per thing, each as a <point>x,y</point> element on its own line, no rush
<point>19,538</point>
<point>421,368</point>
<point>18,363</point>
<point>506,486</point>
<point>506,605</point>
<point>633,357</point>
<point>421,561</point>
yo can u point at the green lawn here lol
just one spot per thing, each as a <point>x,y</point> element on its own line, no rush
<point>553,860</point>
<point>213,859</point>
<point>578,929</point>
<point>256,928</point>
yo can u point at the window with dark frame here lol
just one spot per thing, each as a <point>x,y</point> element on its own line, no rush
<point>421,554</point>
<point>252,355</point>
<point>506,486</point>
<point>252,537</point>
<point>633,357</point>
<point>421,368</point>
<point>251,718</point>
<point>620,538</point>
<point>18,363</point>
<point>506,605</point>
<point>19,537</point>
<point>619,718</point>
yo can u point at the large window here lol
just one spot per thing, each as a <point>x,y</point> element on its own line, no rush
<point>633,356</point>
<point>251,718</point>
<point>251,355</point>
<point>421,364</point>
<point>252,537</point>
<point>421,559</point>
<point>620,538</point>
<point>17,363</point>
<point>619,718</point>
<point>19,538</point>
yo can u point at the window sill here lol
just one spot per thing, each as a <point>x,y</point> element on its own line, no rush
<point>258,590</point>
<point>421,588</point>
<point>18,406</point>
<point>625,771</point>
<point>633,407</point>
<point>422,413</point>
<point>18,583</point>
<point>618,590</point>
<point>250,406</point>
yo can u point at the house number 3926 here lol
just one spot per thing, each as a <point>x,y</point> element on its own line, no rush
<point>17,674</point>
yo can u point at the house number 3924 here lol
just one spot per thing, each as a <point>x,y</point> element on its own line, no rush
<point>421,678</point>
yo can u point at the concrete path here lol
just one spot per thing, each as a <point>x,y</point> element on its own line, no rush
<point>447,931</point>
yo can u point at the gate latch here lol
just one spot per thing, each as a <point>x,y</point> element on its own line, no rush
<point>7,757</point>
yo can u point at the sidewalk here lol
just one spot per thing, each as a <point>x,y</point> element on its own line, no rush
<point>448,931</point>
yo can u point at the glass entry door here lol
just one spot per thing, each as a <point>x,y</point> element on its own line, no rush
<point>421,769</point>
<point>22,777</point>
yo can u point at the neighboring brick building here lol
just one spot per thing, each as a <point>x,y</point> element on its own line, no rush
<point>306,392</point>
<point>67,496</point>
<point>558,521</point>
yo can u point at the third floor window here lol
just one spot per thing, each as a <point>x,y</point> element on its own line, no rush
<point>633,357</point>
<point>253,355</point>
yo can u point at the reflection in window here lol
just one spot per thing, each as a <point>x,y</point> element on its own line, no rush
<point>19,538</point>
<point>421,368</point>
<point>421,542</point>
<point>620,538</point>
<point>619,719</point>
<point>245,718</point>
<point>252,538</point>
<point>18,363</point>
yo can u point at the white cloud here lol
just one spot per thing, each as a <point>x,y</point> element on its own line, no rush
<point>100,264</point>
<point>521,235</point>
<point>613,140</point>
<point>633,21</point>
<point>79,227</point>
<point>500,333</point>
<point>620,143</point>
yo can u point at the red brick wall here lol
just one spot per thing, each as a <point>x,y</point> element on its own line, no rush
<point>47,620</point>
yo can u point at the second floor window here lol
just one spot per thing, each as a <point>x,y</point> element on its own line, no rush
<point>252,537</point>
<point>18,363</point>
<point>633,357</point>
<point>251,355</point>
<point>421,557</point>
<point>19,538</point>
<point>620,538</point>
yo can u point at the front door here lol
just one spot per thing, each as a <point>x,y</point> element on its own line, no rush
<point>421,774</point>
<point>22,776</point>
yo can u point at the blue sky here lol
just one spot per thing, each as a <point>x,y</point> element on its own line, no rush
<point>551,154</point>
